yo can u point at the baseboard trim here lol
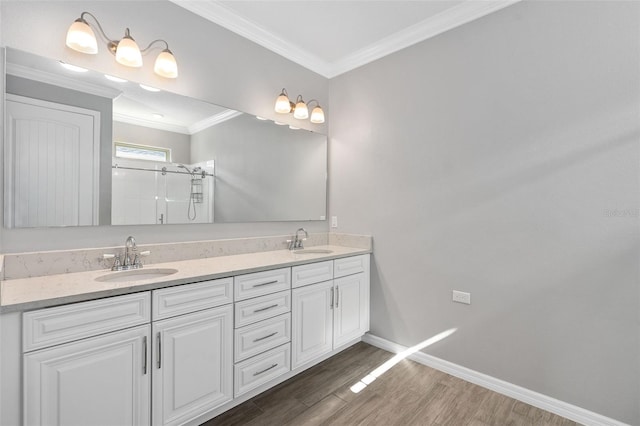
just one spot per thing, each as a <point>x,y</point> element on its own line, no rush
<point>536,399</point>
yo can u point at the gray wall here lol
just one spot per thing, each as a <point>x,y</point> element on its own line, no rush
<point>264,171</point>
<point>179,143</point>
<point>501,158</point>
<point>47,92</point>
<point>215,64</point>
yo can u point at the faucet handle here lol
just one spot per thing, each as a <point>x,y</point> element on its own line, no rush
<point>116,262</point>
<point>136,260</point>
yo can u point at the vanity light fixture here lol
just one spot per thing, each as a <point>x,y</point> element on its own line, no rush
<point>299,109</point>
<point>81,38</point>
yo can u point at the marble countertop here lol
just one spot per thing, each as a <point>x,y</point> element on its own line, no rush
<point>37,292</point>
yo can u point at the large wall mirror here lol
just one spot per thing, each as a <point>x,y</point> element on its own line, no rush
<point>82,148</point>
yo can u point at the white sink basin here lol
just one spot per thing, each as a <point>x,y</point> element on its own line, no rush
<point>136,275</point>
<point>312,251</point>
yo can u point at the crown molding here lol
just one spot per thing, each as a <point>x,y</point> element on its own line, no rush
<point>176,128</point>
<point>213,120</point>
<point>159,125</point>
<point>446,20</point>
<point>62,81</point>
<point>450,18</point>
<point>227,18</point>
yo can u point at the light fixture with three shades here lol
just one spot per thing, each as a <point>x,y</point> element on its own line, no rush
<point>81,38</point>
<point>300,109</point>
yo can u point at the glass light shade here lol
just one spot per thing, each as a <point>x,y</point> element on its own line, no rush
<point>301,112</point>
<point>283,105</point>
<point>80,37</point>
<point>317,115</point>
<point>128,53</point>
<point>166,65</point>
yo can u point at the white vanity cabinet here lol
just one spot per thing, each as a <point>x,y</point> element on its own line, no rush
<point>328,313</point>
<point>88,363</point>
<point>182,354</point>
<point>192,350</point>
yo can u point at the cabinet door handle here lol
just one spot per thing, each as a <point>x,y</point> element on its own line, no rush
<point>331,305</point>
<point>159,357</point>
<point>144,354</point>
<point>337,295</point>
<point>265,337</point>
<point>267,283</point>
<point>257,373</point>
<point>264,309</point>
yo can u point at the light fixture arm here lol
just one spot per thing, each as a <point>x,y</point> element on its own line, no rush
<point>313,100</point>
<point>166,45</point>
<point>111,44</point>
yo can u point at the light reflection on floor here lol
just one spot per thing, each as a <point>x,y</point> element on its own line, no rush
<point>369,378</point>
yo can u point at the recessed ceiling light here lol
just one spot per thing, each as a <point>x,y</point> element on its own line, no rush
<point>294,128</point>
<point>157,116</point>
<point>280,124</point>
<point>149,88</point>
<point>73,68</point>
<point>116,79</point>
<point>260,118</point>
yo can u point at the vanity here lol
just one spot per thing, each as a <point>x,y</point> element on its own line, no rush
<point>173,348</point>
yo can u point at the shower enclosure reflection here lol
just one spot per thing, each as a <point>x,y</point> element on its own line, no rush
<point>150,192</point>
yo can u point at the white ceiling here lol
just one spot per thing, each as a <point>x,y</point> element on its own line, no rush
<point>331,37</point>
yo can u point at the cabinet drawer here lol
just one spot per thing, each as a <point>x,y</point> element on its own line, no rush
<point>254,310</point>
<point>52,326</point>
<point>350,265</point>
<point>262,336</point>
<point>173,301</point>
<point>312,273</point>
<point>261,283</point>
<point>261,369</point>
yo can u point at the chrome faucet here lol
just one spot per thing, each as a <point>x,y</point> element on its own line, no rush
<point>131,258</point>
<point>130,252</point>
<point>296,243</point>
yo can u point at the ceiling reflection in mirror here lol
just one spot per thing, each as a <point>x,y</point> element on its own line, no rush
<point>82,148</point>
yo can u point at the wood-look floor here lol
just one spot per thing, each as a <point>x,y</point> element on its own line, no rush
<point>408,394</point>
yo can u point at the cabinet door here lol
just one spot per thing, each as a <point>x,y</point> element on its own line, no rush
<point>312,322</point>
<point>192,364</point>
<point>103,380</point>
<point>351,313</point>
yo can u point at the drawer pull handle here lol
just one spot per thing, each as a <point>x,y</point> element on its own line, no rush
<point>265,309</point>
<point>265,337</point>
<point>267,283</point>
<point>257,373</point>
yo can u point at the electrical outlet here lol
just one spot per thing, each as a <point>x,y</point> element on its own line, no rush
<point>461,297</point>
<point>334,221</point>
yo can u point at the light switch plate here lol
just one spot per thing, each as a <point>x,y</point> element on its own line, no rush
<point>334,221</point>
